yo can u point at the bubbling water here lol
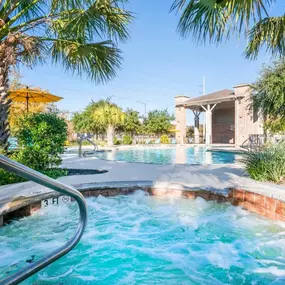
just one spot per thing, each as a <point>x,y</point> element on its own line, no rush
<point>141,239</point>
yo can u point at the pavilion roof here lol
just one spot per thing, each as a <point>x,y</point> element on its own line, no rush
<point>212,98</point>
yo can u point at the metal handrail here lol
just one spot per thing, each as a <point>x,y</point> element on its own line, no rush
<point>41,179</point>
<point>86,138</point>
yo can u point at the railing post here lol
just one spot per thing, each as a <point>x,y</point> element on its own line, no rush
<point>41,179</point>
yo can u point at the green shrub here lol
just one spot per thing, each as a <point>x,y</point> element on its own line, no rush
<point>56,172</point>
<point>127,140</point>
<point>267,164</point>
<point>164,139</point>
<point>41,138</point>
<point>9,178</point>
<point>116,141</point>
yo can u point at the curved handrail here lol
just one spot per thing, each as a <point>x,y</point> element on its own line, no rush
<point>94,145</point>
<point>39,178</point>
<point>83,138</point>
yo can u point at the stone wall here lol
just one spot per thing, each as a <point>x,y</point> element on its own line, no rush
<point>268,207</point>
<point>223,123</point>
<point>247,122</point>
<point>180,116</point>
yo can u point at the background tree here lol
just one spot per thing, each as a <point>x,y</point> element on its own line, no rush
<point>268,96</point>
<point>217,20</point>
<point>68,32</point>
<point>132,124</point>
<point>158,122</point>
<point>78,122</point>
<point>84,122</point>
<point>18,110</point>
<point>111,117</point>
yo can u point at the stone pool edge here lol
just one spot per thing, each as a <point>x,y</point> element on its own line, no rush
<point>266,204</point>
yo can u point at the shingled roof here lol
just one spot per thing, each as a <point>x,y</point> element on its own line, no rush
<point>212,98</point>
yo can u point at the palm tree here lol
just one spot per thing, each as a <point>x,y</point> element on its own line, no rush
<point>81,35</point>
<point>110,116</point>
<point>217,20</point>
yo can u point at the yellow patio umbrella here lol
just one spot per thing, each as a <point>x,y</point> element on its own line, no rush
<point>28,95</point>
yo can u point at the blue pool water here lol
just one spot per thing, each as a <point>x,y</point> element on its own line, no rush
<point>139,239</point>
<point>181,155</point>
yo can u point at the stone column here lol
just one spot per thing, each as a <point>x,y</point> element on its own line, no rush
<point>208,109</point>
<point>247,122</point>
<point>180,114</point>
<point>209,126</point>
<point>204,128</point>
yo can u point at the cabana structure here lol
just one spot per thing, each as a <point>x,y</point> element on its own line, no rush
<point>229,118</point>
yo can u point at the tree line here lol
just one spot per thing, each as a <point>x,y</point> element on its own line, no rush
<point>107,118</point>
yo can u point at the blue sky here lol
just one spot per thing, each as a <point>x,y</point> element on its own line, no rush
<point>158,64</point>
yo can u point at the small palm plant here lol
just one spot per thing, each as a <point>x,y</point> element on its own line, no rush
<point>110,116</point>
<point>81,35</point>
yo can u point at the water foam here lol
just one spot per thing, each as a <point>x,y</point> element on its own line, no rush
<point>139,239</point>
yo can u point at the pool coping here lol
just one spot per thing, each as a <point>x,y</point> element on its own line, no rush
<point>223,180</point>
<point>261,202</point>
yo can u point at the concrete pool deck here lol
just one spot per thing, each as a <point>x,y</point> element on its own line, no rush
<point>217,178</point>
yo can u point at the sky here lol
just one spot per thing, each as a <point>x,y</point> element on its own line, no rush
<point>157,65</point>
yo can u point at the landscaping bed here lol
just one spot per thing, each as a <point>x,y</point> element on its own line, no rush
<point>71,171</point>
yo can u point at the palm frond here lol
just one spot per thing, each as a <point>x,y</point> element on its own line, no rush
<point>80,34</point>
<point>115,18</point>
<point>214,20</point>
<point>201,18</point>
<point>23,10</point>
<point>18,12</point>
<point>99,61</point>
<point>269,32</point>
<point>32,50</point>
<point>104,20</point>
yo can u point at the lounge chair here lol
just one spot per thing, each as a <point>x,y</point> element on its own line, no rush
<point>173,141</point>
<point>157,141</point>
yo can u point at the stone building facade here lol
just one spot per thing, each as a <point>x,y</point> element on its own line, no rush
<point>229,117</point>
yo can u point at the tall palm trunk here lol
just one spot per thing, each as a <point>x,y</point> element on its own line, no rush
<point>110,136</point>
<point>6,60</point>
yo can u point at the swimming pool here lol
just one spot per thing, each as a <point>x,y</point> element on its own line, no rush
<point>140,239</point>
<point>180,155</point>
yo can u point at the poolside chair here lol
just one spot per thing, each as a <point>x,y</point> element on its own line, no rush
<point>173,141</point>
<point>148,141</point>
<point>13,143</point>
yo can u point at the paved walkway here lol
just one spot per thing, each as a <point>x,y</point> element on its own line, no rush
<point>197,177</point>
